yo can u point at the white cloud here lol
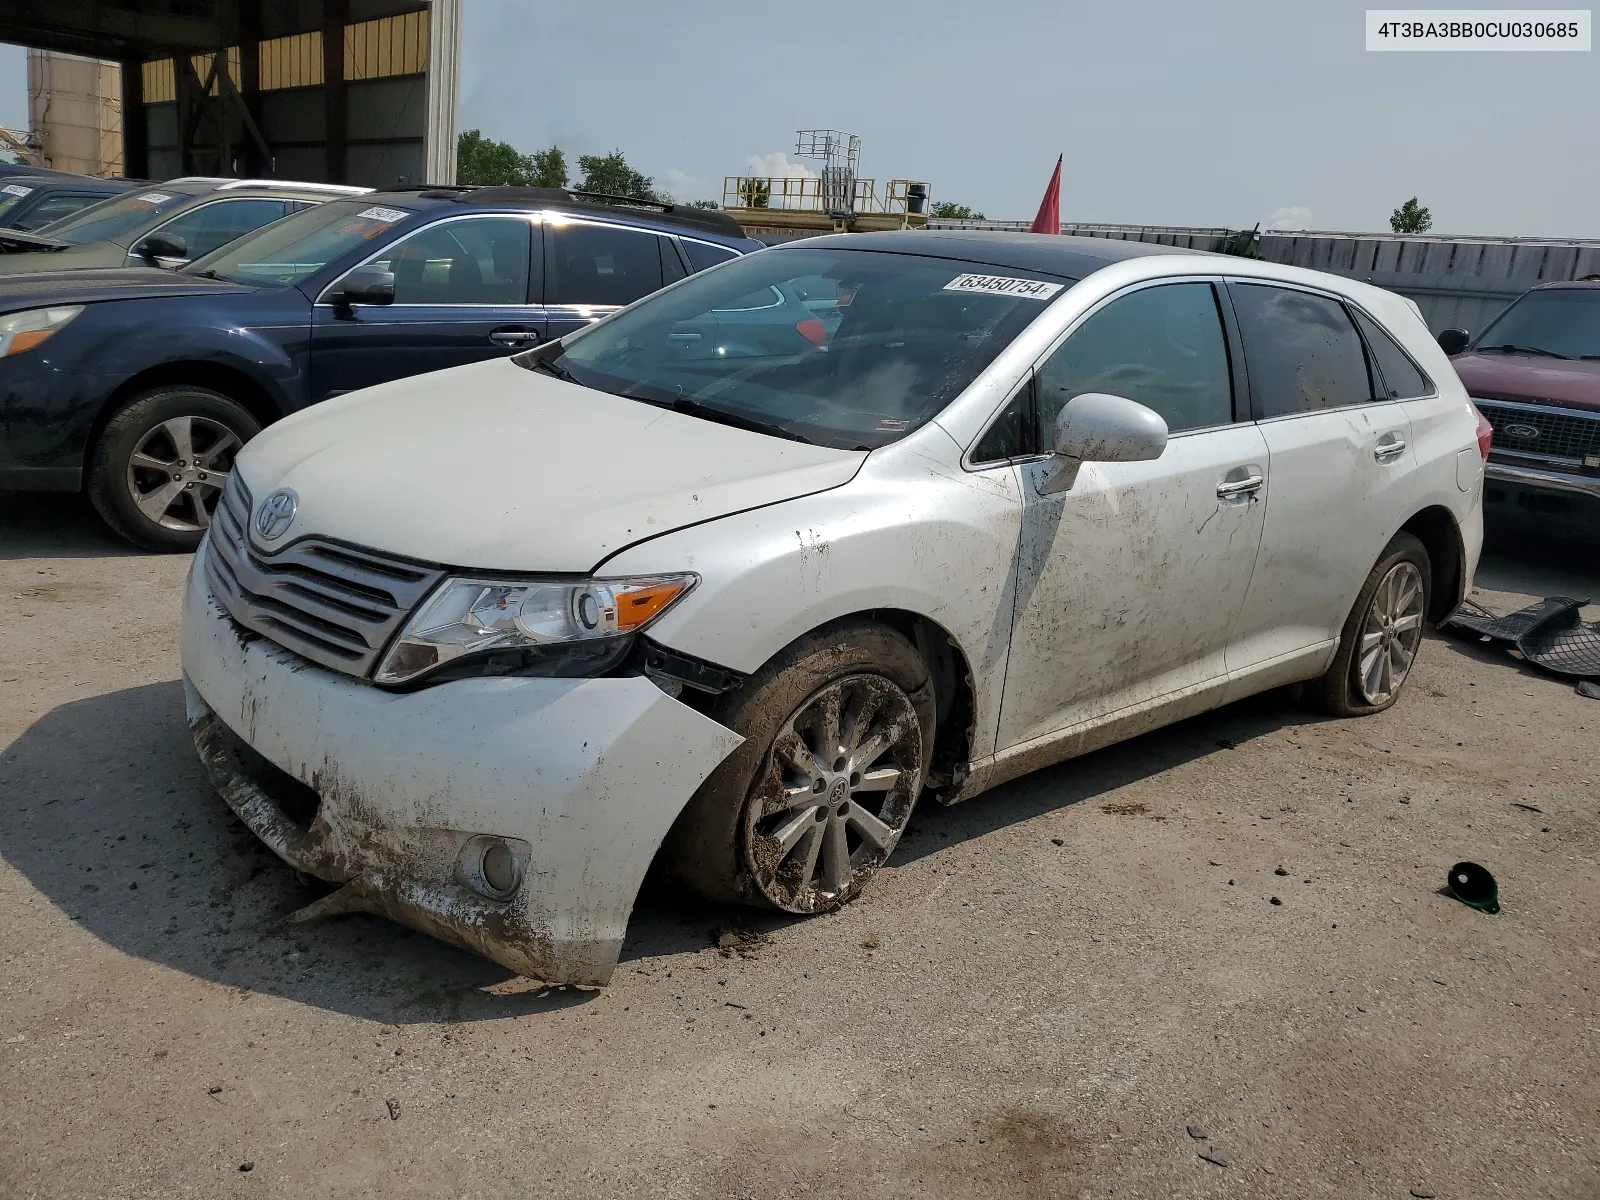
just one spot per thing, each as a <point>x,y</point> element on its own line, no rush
<point>681,186</point>
<point>777,166</point>
<point>1290,216</point>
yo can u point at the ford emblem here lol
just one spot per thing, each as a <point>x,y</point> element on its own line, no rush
<point>276,514</point>
<point>1522,432</point>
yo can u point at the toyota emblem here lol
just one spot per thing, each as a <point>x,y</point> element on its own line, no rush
<point>276,514</point>
<point>1523,433</point>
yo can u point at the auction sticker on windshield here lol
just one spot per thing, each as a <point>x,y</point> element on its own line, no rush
<point>153,197</point>
<point>378,213</point>
<point>1001,285</point>
<point>15,189</point>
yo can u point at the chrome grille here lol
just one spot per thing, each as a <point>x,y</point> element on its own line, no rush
<point>336,605</point>
<point>1563,435</point>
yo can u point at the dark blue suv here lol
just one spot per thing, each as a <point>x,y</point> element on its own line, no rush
<point>141,384</point>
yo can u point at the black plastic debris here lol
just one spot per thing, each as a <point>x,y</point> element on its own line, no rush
<point>1591,690</point>
<point>1476,619</point>
<point>1474,886</point>
<point>1550,634</point>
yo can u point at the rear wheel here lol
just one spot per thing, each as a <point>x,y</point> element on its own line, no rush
<point>800,817</point>
<point>1382,634</point>
<point>160,465</point>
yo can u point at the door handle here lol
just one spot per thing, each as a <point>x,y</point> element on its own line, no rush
<point>513,337</point>
<point>1390,446</point>
<point>1247,486</point>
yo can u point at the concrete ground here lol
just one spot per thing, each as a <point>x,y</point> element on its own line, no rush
<point>1050,986</point>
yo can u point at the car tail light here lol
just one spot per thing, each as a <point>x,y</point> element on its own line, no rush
<point>1485,431</point>
<point>812,330</point>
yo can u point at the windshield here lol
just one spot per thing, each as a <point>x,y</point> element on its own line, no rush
<point>11,195</point>
<point>1559,323</point>
<point>120,219</point>
<point>845,348</point>
<point>289,250</point>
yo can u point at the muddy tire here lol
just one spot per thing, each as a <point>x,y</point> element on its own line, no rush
<point>1382,634</point>
<point>838,731</point>
<point>160,464</point>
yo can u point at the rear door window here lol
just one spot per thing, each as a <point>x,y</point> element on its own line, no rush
<point>601,265</point>
<point>1402,378</point>
<point>1162,346</point>
<point>704,254</point>
<point>1304,353</point>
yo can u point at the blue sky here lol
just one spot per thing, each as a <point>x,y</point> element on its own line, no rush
<point>1168,112</point>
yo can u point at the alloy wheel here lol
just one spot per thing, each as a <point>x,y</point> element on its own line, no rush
<point>835,795</point>
<point>1390,634</point>
<point>178,470</point>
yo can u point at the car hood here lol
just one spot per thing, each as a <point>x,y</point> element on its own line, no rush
<point>1572,383</point>
<point>41,286</point>
<point>72,258</point>
<point>497,468</point>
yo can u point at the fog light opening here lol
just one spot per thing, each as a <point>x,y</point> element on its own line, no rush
<point>500,867</point>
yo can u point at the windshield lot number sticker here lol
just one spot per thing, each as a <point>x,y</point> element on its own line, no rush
<point>15,189</point>
<point>152,197</point>
<point>387,215</point>
<point>1001,285</point>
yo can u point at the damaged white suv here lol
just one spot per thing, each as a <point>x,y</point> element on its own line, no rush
<point>727,581</point>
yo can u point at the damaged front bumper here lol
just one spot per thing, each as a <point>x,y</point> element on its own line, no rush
<point>393,796</point>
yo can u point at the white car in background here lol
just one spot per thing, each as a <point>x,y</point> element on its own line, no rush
<point>726,582</point>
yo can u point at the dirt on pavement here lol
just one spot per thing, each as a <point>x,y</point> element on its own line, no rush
<point>1233,925</point>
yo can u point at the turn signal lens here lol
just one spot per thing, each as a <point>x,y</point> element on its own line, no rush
<point>22,331</point>
<point>637,606</point>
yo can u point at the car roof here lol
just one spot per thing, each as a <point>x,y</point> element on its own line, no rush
<point>74,181</point>
<point>205,185</point>
<point>662,216</point>
<point>1053,254</point>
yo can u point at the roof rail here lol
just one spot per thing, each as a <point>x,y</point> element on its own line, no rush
<point>341,189</point>
<point>711,220</point>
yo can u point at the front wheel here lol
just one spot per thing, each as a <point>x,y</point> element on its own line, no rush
<point>1382,634</point>
<point>838,732</point>
<point>161,464</point>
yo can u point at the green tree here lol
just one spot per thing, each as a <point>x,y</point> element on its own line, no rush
<point>485,162</point>
<point>755,193</point>
<point>954,212</point>
<point>705,204</point>
<point>1411,217</point>
<point>610,175</point>
<point>547,168</point>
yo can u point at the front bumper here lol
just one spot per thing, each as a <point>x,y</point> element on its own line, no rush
<point>1543,479</point>
<point>584,777</point>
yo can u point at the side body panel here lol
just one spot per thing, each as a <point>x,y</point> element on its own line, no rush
<point>50,402</point>
<point>912,531</point>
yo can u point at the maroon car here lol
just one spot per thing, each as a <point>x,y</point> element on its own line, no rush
<point>1535,374</point>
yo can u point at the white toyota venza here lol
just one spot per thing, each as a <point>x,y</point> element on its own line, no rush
<point>726,582</point>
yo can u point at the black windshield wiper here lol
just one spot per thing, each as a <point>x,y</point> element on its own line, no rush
<point>1508,348</point>
<point>538,362</point>
<point>722,416</point>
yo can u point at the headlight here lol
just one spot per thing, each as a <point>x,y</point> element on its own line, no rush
<point>562,627</point>
<point>24,330</point>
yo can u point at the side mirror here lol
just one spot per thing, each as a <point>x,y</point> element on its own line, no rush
<point>365,285</point>
<point>157,246</point>
<point>1096,427</point>
<point>1454,341</point>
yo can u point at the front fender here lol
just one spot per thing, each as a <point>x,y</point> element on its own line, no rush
<point>910,532</point>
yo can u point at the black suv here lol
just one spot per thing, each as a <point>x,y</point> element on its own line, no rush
<point>140,384</point>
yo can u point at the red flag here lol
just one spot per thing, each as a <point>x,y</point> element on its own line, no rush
<point>1049,218</point>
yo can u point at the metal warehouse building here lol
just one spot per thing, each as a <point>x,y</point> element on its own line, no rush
<point>342,91</point>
